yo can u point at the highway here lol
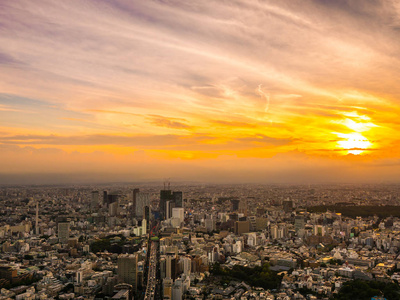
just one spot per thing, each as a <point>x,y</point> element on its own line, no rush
<point>152,278</point>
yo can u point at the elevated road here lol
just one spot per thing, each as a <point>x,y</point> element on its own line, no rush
<point>151,276</point>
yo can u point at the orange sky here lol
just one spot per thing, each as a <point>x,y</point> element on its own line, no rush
<point>225,91</point>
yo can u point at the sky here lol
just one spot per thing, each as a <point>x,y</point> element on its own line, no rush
<point>211,91</point>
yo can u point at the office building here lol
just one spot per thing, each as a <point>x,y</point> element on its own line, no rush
<point>235,204</point>
<point>171,266</point>
<point>175,199</point>
<point>112,198</point>
<point>105,197</point>
<point>134,199</point>
<point>63,229</point>
<point>299,223</point>
<point>167,288</point>
<point>141,202</point>
<point>37,219</point>
<point>94,201</point>
<point>127,269</point>
<point>178,212</point>
<point>242,227</point>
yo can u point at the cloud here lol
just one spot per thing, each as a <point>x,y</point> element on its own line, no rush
<point>6,59</point>
<point>168,122</point>
<point>263,139</point>
<point>235,124</point>
<point>96,139</point>
<point>182,78</point>
<point>8,108</point>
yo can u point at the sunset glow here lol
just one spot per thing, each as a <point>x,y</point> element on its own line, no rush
<point>200,90</point>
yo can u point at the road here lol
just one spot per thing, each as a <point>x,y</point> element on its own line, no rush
<point>152,278</point>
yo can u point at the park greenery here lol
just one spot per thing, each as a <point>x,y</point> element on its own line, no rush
<point>358,211</point>
<point>257,276</point>
<point>111,243</point>
<point>360,290</point>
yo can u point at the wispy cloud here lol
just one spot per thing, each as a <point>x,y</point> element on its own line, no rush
<point>168,122</point>
<point>244,78</point>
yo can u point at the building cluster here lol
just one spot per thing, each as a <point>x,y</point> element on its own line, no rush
<point>141,243</point>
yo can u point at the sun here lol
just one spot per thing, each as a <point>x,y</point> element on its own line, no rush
<point>355,143</point>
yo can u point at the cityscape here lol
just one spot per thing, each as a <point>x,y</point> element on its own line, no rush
<point>193,241</point>
<point>200,150</point>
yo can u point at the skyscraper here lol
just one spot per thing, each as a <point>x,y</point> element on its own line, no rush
<point>175,200</point>
<point>235,204</point>
<point>127,269</point>
<point>37,218</point>
<point>165,195</point>
<point>95,200</point>
<point>134,199</point>
<point>63,229</point>
<point>141,201</point>
<point>171,266</point>
<point>178,199</point>
<point>111,198</point>
<point>242,227</point>
<point>178,212</point>
<point>105,197</point>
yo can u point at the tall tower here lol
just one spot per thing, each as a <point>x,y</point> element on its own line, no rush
<point>37,218</point>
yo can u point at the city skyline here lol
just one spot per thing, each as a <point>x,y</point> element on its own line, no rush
<point>235,91</point>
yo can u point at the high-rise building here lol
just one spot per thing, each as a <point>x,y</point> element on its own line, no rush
<point>95,200</point>
<point>127,269</point>
<point>105,197</point>
<point>178,199</point>
<point>171,266</point>
<point>242,227</point>
<point>274,231</point>
<point>63,229</point>
<point>169,207</point>
<point>175,200</point>
<point>37,218</point>
<point>142,201</point>
<point>147,214</point>
<point>235,204</point>
<point>252,222</point>
<point>134,199</point>
<point>299,223</point>
<point>177,290</point>
<point>113,209</point>
<point>165,195</point>
<point>167,288</point>
<point>187,265</point>
<point>112,198</point>
<point>178,212</point>
<point>210,223</point>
